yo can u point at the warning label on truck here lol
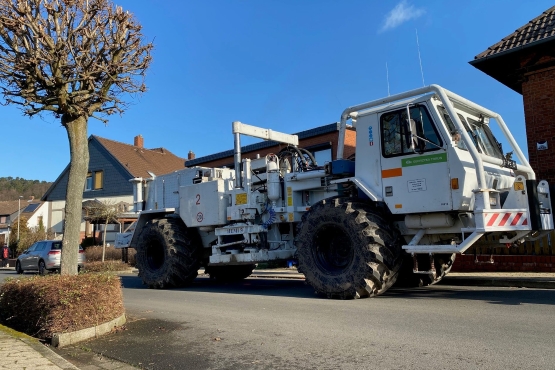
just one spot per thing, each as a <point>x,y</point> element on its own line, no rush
<point>240,198</point>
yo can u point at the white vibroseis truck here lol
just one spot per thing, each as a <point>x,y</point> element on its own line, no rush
<point>428,180</point>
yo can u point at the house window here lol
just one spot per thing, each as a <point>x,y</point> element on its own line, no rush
<point>88,183</point>
<point>3,219</point>
<point>95,180</point>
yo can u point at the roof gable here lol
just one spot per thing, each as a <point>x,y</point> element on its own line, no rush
<point>140,161</point>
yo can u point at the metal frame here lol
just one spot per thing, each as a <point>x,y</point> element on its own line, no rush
<point>482,193</point>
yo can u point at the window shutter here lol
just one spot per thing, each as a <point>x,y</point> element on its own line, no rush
<point>98,179</point>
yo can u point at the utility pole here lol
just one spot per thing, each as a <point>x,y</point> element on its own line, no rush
<point>18,215</point>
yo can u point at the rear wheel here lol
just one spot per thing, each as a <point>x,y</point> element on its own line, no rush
<point>42,268</point>
<point>229,273</point>
<point>168,253</point>
<point>18,268</point>
<point>346,249</point>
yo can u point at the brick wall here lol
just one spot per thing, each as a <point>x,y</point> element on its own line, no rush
<point>538,90</point>
<point>332,138</point>
<point>467,263</point>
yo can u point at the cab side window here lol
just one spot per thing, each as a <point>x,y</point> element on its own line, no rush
<point>396,132</point>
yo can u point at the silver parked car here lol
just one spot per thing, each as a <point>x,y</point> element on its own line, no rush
<point>44,256</point>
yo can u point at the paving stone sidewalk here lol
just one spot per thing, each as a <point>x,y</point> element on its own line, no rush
<point>19,351</point>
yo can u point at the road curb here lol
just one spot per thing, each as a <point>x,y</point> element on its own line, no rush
<point>65,339</point>
<point>502,282</point>
<point>498,282</point>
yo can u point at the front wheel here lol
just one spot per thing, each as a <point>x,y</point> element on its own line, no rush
<point>346,249</point>
<point>18,268</point>
<point>168,253</point>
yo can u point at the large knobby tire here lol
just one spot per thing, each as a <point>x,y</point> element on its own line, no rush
<point>407,278</point>
<point>229,273</point>
<point>346,249</point>
<point>168,253</point>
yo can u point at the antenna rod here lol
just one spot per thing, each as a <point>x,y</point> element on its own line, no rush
<point>387,77</point>
<point>419,59</point>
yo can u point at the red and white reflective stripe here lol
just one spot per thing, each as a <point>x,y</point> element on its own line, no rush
<point>506,219</point>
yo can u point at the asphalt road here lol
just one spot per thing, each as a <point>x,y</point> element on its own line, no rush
<point>281,324</point>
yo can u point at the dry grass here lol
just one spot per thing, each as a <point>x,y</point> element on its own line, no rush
<point>43,305</point>
<point>94,253</point>
<point>106,266</point>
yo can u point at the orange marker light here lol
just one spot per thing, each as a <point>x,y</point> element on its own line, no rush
<point>454,183</point>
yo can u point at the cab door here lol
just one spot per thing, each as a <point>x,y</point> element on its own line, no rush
<point>414,164</point>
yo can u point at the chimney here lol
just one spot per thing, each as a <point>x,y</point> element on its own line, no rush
<point>191,155</point>
<point>139,141</point>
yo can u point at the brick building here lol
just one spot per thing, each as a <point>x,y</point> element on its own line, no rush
<point>525,62</point>
<point>321,141</point>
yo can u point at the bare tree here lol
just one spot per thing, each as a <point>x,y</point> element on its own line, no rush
<point>75,59</point>
<point>106,212</point>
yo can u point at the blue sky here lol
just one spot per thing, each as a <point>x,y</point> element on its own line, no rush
<point>288,65</point>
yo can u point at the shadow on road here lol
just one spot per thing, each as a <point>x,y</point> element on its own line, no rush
<point>292,288</point>
<point>299,289</point>
<point>502,296</point>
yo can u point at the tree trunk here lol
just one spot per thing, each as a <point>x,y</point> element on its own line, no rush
<point>76,128</point>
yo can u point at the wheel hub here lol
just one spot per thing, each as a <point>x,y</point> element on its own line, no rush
<point>155,256</point>
<point>334,251</point>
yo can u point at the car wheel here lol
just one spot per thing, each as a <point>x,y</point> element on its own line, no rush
<point>18,268</point>
<point>42,268</point>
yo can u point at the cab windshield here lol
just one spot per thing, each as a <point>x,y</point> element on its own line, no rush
<point>479,133</point>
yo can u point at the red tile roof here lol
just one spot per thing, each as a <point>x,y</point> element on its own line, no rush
<point>539,28</point>
<point>138,161</point>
